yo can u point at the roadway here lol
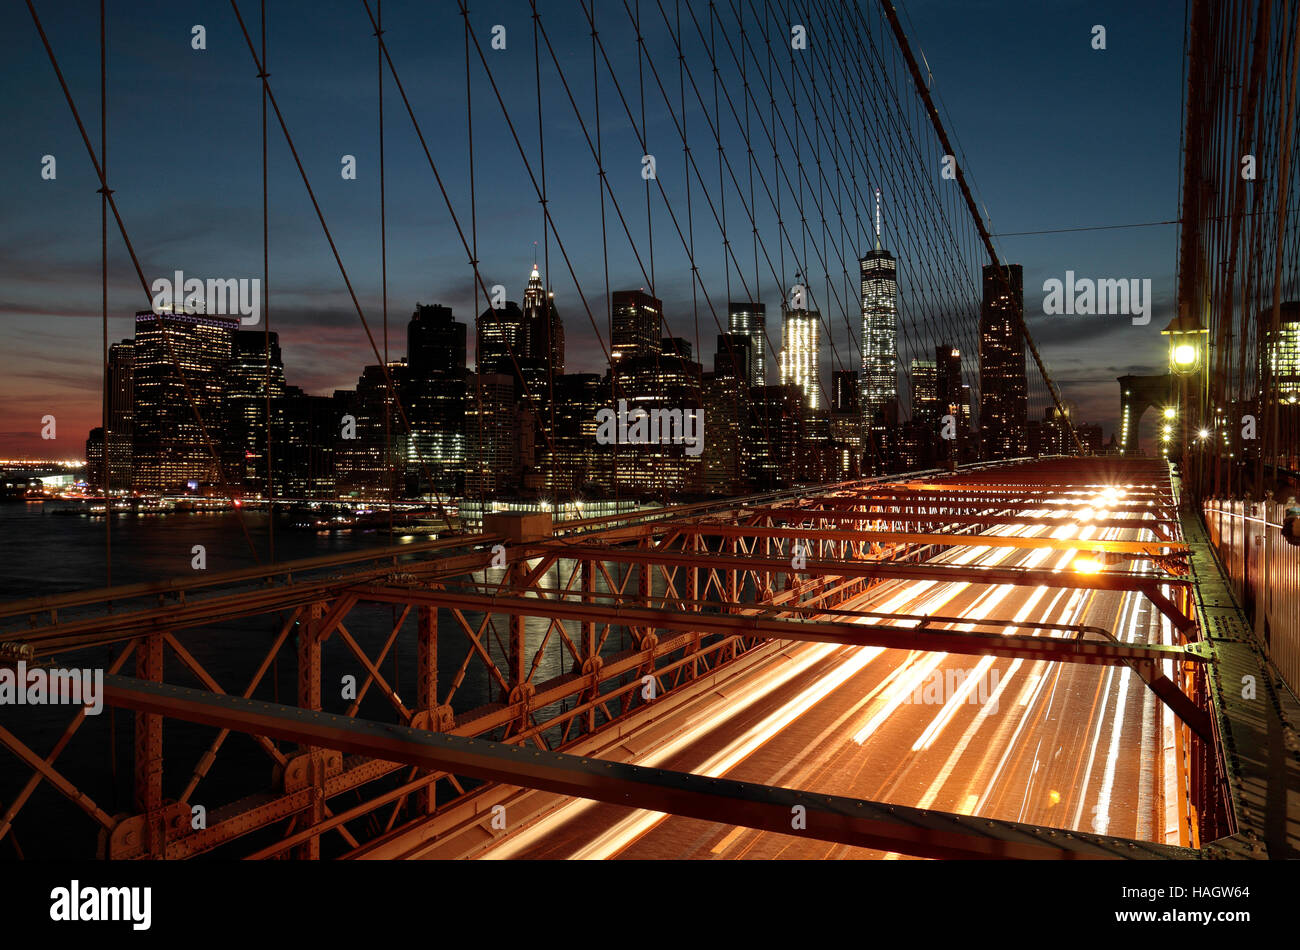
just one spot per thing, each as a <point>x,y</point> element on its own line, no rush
<point>1057,744</point>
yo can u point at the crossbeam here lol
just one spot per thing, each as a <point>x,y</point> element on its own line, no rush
<point>922,637</point>
<point>835,516</point>
<point>1147,584</point>
<point>856,822</point>
<point>1143,548</point>
<point>961,573</point>
<point>1142,658</point>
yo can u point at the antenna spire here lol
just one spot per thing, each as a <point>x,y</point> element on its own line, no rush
<point>877,219</point>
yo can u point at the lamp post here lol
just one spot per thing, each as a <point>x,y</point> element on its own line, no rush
<point>1187,344</point>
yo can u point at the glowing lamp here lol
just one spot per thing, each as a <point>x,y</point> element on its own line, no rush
<point>1087,565</point>
<point>1186,343</point>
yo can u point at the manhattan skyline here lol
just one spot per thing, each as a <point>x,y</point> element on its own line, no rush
<point>50,268</point>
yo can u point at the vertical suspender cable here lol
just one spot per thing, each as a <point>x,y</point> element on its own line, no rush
<point>266,312</point>
<point>106,418</point>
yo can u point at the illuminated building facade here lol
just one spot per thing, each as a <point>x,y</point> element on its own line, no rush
<point>660,381</point>
<point>492,431</point>
<point>543,331</point>
<point>498,340</point>
<point>879,378</point>
<point>1004,396</point>
<point>800,346</point>
<point>637,318</point>
<point>370,447</point>
<point>925,393</point>
<point>168,446</point>
<point>434,396</point>
<point>774,436</point>
<point>119,397</point>
<point>750,319</point>
<point>1283,353</point>
<point>846,423</point>
<point>726,393</point>
<point>578,461</point>
<point>255,372</point>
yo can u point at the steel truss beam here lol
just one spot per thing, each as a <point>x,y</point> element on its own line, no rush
<point>1147,584</point>
<point>1144,548</point>
<point>924,638</point>
<point>1025,489</point>
<point>855,822</point>
<point>880,507</point>
<point>1143,658</point>
<point>788,515</point>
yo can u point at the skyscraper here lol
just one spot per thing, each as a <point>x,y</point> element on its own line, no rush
<point>750,319</point>
<point>367,460</point>
<point>952,398</point>
<point>925,393</point>
<point>845,398</point>
<point>118,397</point>
<point>168,445</point>
<point>846,422</point>
<point>254,373</point>
<point>637,317</point>
<point>1004,398</point>
<point>775,418</point>
<point>304,433</point>
<point>434,397</point>
<point>435,342</point>
<point>878,270</point>
<point>800,348</point>
<point>498,340</point>
<point>577,460</point>
<point>1282,352</point>
<point>734,358</point>
<point>948,385</point>
<point>659,383</point>
<point>492,432</point>
<point>543,332</point>
<point>726,418</point>
<point>95,456</point>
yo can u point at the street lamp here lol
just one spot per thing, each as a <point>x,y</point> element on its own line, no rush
<point>1186,342</point>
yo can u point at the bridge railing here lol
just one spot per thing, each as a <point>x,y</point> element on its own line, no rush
<point>1265,572</point>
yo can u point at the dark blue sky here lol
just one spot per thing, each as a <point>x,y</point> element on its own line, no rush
<point>1054,134</point>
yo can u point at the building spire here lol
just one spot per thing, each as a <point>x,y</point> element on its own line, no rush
<point>877,219</point>
<point>535,292</point>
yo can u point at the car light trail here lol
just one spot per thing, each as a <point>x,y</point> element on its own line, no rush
<point>1021,696</point>
<point>631,828</point>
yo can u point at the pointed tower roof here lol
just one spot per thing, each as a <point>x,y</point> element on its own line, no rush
<point>535,292</point>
